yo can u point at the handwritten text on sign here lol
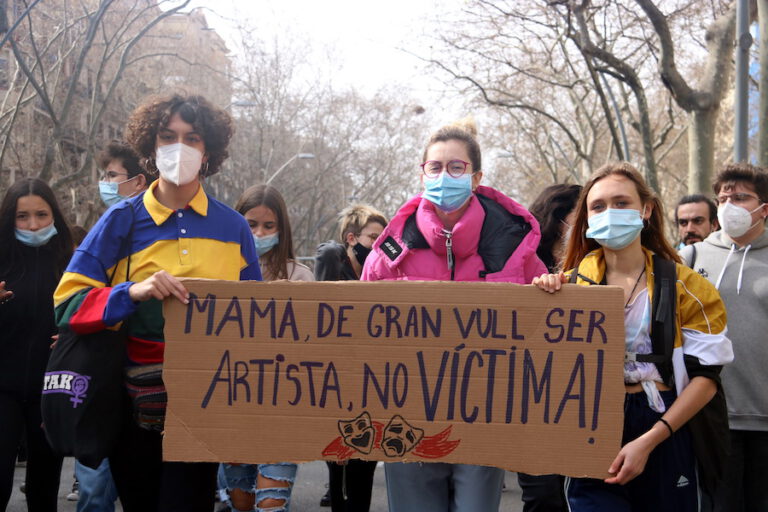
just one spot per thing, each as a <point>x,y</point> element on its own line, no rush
<point>481,373</point>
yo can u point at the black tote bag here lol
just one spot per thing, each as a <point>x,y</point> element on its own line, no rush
<point>82,394</point>
<point>83,390</point>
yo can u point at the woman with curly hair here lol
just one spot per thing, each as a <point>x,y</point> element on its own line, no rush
<point>173,230</point>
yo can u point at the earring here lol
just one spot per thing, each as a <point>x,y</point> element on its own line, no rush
<point>204,169</point>
<point>149,165</point>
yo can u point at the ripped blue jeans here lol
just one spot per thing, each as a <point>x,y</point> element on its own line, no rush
<point>244,477</point>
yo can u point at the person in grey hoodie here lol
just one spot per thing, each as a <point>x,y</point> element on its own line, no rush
<point>735,260</point>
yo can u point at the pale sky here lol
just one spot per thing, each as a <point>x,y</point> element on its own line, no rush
<point>365,37</point>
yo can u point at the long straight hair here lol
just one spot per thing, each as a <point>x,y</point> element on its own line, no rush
<point>651,237</point>
<point>276,260</point>
<point>10,248</point>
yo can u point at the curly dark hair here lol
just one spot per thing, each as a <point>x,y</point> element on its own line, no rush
<point>212,123</point>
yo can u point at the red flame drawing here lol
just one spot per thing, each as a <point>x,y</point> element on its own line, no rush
<point>437,446</point>
<point>430,447</point>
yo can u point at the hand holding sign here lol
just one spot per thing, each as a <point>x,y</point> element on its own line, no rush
<point>550,282</point>
<point>158,286</point>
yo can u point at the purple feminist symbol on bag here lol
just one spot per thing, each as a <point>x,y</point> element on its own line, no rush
<point>69,383</point>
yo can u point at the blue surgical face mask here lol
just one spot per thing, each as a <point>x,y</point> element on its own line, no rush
<point>265,243</point>
<point>36,238</point>
<point>446,192</point>
<point>615,228</point>
<point>108,191</point>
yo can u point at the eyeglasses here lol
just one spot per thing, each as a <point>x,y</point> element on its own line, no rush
<point>110,175</point>
<point>455,168</point>
<point>736,198</point>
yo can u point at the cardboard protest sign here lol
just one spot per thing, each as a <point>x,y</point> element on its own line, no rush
<point>480,373</point>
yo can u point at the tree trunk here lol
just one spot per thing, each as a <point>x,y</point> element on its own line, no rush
<point>762,115</point>
<point>701,150</point>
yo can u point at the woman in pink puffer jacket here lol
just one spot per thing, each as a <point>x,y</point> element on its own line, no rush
<point>455,230</point>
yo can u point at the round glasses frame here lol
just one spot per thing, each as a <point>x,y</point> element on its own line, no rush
<point>454,168</point>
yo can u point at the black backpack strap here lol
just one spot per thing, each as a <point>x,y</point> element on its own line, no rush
<point>575,275</point>
<point>663,314</point>
<point>693,256</point>
<point>128,244</point>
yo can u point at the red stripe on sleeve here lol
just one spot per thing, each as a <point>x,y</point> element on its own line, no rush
<point>90,314</point>
<point>145,351</point>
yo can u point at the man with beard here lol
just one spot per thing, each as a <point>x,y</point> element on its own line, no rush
<point>695,218</point>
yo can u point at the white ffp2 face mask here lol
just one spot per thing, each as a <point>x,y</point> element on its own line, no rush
<point>735,220</point>
<point>178,163</point>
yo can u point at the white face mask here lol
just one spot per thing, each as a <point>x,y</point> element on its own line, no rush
<point>178,163</point>
<point>735,220</point>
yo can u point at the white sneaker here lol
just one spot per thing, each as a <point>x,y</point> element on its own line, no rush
<point>75,494</point>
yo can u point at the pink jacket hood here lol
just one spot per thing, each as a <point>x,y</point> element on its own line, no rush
<point>413,245</point>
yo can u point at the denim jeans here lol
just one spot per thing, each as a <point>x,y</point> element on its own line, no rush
<point>441,487</point>
<point>97,488</point>
<point>243,477</point>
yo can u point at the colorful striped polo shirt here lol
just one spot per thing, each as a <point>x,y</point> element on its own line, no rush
<point>207,239</point>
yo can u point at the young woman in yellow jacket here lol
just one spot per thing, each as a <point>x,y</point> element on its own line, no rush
<point>618,228</point>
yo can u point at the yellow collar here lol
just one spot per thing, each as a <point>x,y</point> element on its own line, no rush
<point>593,265</point>
<point>160,212</point>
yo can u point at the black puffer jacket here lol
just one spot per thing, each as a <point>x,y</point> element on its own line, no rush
<point>26,322</point>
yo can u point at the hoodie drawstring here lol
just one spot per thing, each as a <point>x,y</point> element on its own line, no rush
<point>741,269</point>
<point>722,271</point>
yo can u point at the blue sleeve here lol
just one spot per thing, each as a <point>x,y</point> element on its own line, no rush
<point>252,270</point>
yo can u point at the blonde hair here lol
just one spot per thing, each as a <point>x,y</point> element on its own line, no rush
<point>353,219</point>
<point>466,123</point>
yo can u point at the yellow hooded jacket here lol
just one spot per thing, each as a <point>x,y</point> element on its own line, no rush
<point>701,318</point>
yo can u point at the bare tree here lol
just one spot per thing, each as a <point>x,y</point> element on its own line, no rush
<point>587,68</point>
<point>702,103</point>
<point>75,72</point>
<point>366,148</point>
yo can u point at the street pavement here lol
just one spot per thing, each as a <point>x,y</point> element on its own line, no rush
<point>310,486</point>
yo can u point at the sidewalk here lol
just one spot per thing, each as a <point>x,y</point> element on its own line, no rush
<point>310,486</point>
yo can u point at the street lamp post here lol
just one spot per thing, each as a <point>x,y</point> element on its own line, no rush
<point>300,156</point>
